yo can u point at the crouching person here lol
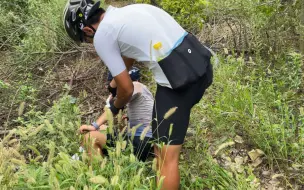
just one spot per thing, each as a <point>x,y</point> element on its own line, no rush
<point>139,114</point>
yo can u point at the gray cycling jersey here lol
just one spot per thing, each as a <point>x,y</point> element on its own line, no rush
<point>140,108</point>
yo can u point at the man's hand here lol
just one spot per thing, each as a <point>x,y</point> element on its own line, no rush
<point>112,88</point>
<point>124,89</point>
<point>86,128</point>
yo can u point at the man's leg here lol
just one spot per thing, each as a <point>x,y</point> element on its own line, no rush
<point>167,164</point>
<point>168,155</point>
<point>165,98</point>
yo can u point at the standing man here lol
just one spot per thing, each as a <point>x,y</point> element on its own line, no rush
<point>180,64</point>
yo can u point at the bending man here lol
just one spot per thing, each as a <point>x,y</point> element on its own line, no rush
<point>179,62</point>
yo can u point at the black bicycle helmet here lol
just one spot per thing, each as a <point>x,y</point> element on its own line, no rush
<point>76,14</point>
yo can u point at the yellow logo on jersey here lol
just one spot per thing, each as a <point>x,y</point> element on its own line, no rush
<point>158,45</point>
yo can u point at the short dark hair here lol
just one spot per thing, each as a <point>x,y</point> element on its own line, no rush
<point>96,16</point>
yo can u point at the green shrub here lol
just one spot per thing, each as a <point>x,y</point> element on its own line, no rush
<point>31,31</point>
<point>49,141</point>
<point>252,105</point>
<point>188,13</point>
<point>10,160</point>
<point>58,125</point>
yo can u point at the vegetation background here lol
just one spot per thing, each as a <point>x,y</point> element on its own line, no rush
<point>247,132</point>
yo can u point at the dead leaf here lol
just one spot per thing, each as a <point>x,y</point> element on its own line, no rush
<point>254,154</point>
<point>232,167</point>
<point>257,162</point>
<point>226,51</point>
<point>266,173</point>
<point>275,176</point>
<point>239,168</point>
<point>297,166</point>
<point>222,146</point>
<point>225,158</point>
<point>255,183</point>
<point>238,139</point>
<point>274,182</point>
<point>239,160</point>
<point>245,159</point>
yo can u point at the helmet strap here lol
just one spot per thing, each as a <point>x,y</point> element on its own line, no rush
<point>90,36</point>
<point>92,28</point>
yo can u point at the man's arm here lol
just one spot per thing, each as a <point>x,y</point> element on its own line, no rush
<point>129,63</point>
<point>125,92</point>
<point>125,89</point>
<point>108,50</point>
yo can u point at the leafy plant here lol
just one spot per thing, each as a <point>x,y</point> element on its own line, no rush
<point>58,125</point>
<point>188,13</point>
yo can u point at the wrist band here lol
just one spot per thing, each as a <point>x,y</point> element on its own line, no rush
<point>111,106</point>
<point>113,109</point>
<point>95,125</point>
<point>112,90</point>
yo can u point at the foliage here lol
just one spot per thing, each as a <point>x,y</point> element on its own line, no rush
<point>64,173</point>
<point>29,22</point>
<point>3,85</point>
<point>206,173</point>
<point>247,26</point>
<point>48,149</point>
<point>188,13</point>
<point>257,94</point>
<point>254,26</point>
<point>31,32</point>
<point>252,104</point>
<point>58,125</point>
<point>10,160</point>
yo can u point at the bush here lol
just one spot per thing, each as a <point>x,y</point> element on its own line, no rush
<point>254,105</point>
<point>31,31</point>
<point>267,28</point>
<point>48,142</point>
<point>58,125</point>
<point>189,14</point>
<point>10,161</point>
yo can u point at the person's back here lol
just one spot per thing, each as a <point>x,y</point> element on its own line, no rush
<point>135,29</point>
<point>140,109</point>
<point>139,26</point>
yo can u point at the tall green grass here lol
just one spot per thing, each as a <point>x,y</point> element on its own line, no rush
<point>261,104</point>
<point>38,155</point>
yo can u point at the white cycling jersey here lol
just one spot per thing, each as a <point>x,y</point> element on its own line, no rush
<point>132,31</point>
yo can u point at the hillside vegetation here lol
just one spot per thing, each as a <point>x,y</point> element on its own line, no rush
<point>246,133</point>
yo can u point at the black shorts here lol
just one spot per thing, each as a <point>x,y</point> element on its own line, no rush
<point>141,149</point>
<point>185,99</point>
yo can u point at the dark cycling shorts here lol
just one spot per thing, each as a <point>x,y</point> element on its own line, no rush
<point>141,149</point>
<point>185,99</point>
